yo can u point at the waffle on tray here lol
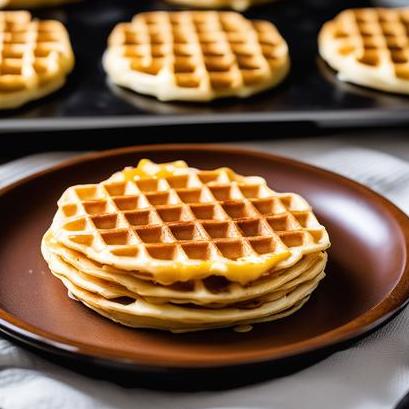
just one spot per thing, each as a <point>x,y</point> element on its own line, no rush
<point>369,47</point>
<point>35,58</point>
<point>196,56</point>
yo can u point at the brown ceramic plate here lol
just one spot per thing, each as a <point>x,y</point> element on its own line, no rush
<point>367,276</point>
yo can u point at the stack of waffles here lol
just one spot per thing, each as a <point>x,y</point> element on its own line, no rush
<point>171,247</point>
<point>35,58</point>
<point>196,56</point>
<point>369,47</point>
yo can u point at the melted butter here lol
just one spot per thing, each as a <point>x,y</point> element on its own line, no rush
<point>242,270</point>
<point>148,169</point>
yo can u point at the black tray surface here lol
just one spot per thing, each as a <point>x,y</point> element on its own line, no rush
<point>311,93</point>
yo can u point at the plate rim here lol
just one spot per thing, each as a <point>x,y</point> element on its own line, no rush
<point>379,314</point>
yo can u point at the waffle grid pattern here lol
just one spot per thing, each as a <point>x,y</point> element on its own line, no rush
<point>170,247</point>
<point>209,291</point>
<point>32,53</point>
<point>369,47</point>
<point>199,54</point>
<point>202,216</point>
<point>384,36</point>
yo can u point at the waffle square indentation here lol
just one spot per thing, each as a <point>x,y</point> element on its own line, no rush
<point>268,206</point>
<point>115,189</point>
<point>232,249</point>
<point>107,221</point>
<point>70,209</point>
<point>147,185</point>
<point>150,234</point>
<point>279,222</point>
<point>140,217</point>
<point>178,182</point>
<point>173,214</point>
<point>76,225</point>
<point>250,191</point>
<point>87,192</point>
<point>251,228</point>
<point>115,237</point>
<point>237,210</point>
<point>95,207</point>
<point>222,193</point>
<point>292,239</point>
<point>162,252</point>
<point>158,198</point>
<point>208,176</point>
<point>196,251</point>
<point>219,229</point>
<point>206,212</point>
<point>192,195</point>
<point>263,245</point>
<point>127,202</point>
<point>185,231</point>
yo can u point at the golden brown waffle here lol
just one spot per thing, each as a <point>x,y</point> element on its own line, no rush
<point>170,247</point>
<point>210,292</point>
<point>140,314</point>
<point>271,287</point>
<point>35,58</point>
<point>239,5</point>
<point>196,56</point>
<point>369,47</point>
<point>135,311</point>
<point>188,226</point>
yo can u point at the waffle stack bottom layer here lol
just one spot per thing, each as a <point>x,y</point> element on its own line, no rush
<point>190,306</point>
<point>255,268</point>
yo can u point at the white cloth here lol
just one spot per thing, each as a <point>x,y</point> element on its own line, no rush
<point>373,373</point>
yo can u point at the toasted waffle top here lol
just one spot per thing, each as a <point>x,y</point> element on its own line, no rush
<point>34,55</point>
<point>198,55</point>
<point>175,223</point>
<point>369,47</point>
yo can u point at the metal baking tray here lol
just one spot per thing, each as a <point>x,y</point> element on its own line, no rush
<point>311,93</point>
